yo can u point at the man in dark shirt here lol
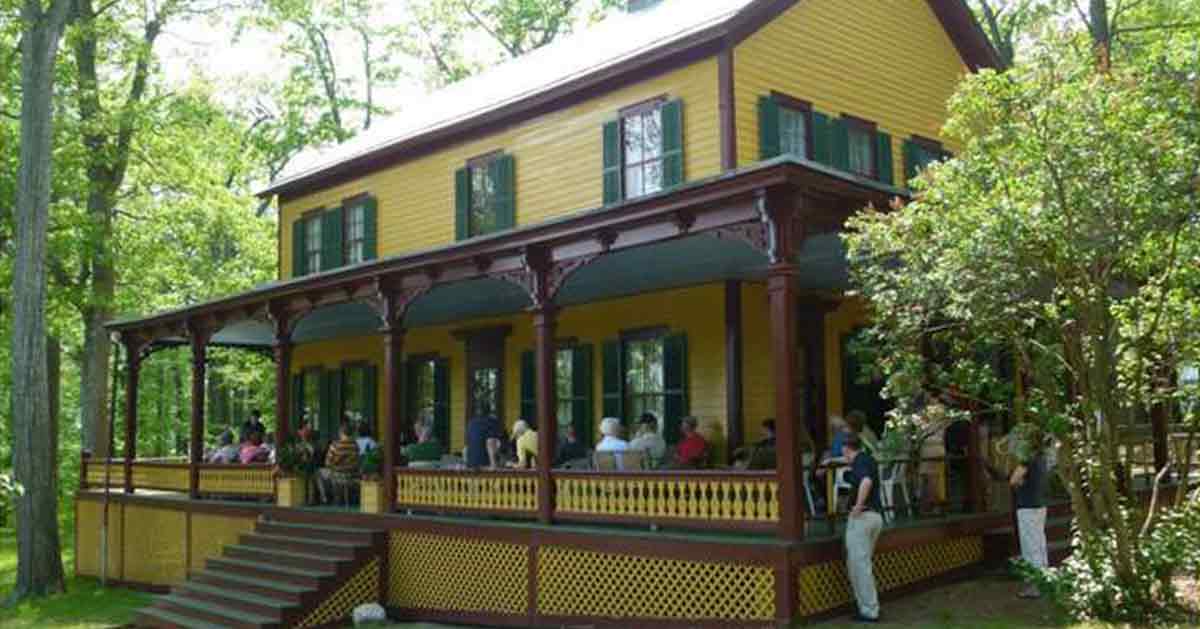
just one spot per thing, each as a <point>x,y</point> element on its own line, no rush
<point>484,436</point>
<point>1029,482</point>
<point>862,527</point>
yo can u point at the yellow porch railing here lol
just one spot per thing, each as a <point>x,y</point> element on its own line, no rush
<point>485,491</point>
<point>254,481</point>
<point>237,480</point>
<point>707,498</point>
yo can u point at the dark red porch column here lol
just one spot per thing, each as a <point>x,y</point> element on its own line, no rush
<point>283,386</point>
<point>544,324</point>
<point>393,377</point>
<point>789,466</point>
<point>133,364</point>
<point>199,342</point>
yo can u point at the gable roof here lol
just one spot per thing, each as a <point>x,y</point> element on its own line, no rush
<point>619,50</point>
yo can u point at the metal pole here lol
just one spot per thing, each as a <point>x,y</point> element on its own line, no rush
<point>112,415</point>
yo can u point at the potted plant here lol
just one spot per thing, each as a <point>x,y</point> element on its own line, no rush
<point>292,460</point>
<point>371,486</point>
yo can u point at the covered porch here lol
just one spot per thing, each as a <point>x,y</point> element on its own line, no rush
<point>746,270</point>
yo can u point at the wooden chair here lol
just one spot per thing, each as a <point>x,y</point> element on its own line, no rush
<point>618,461</point>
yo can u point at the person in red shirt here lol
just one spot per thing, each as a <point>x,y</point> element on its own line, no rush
<point>692,451</point>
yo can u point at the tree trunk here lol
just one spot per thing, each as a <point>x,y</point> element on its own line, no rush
<point>39,562</point>
<point>93,383</point>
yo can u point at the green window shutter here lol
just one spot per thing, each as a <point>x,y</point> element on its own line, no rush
<point>331,239</point>
<point>911,157</point>
<point>370,226</point>
<point>329,381</point>
<point>675,400</point>
<point>581,390</point>
<point>528,387</point>
<point>504,174</point>
<point>297,419</point>
<point>462,203</point>
<point>441,401</point>
<point>299,258</point>
<point>672,143</point>
<point>839,135</point>
<point>612,162</point>
<point>822,149</point>
<point>883,157</point>
<point>768,128</point>
<point>371,392</point>
<point>614,381</point>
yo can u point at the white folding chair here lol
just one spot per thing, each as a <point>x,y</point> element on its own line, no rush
<point>887,489</point>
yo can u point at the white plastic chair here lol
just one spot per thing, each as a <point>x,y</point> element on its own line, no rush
<point>840,482</point>
<point>887,489</point>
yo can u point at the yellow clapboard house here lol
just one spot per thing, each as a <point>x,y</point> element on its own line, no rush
<point>640,219</point>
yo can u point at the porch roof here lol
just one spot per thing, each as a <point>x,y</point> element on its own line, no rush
<point>651,249</point>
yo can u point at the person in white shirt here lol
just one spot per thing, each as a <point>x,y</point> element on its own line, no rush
<point>648,439</point>
<point>610,430</point>
<point>364,440</point>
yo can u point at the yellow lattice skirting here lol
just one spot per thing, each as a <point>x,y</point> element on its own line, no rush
<point>574,582</point>
<point>438,572</point>
<point>825,586</point>
<point>361,588</point>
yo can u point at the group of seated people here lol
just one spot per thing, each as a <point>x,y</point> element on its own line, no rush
<point>489,446</point>
<point>254,444</point>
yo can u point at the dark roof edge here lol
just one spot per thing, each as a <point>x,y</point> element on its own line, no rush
<point>956,18</point>
<point>967,35</point>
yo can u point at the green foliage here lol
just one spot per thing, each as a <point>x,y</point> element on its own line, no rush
<point>293,457</point>
<point>1065,239</point>
<point>370,462</point>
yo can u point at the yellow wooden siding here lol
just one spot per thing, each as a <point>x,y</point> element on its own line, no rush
<point>689,310</point>
<point>558,165</point>
<point>88,517</point>
<point>155,547</point>
<point>888,61</point>
<point>758,379</point>
<point>850,314</point>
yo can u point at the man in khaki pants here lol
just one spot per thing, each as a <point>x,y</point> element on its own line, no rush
<point>862,528</point>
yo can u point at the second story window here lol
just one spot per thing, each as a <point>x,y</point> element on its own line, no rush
<point>355,234</point>
<point>861,145</point>
<point>312,244</point>
<point>643,150</point>
<point>328,238</point>
<point>785,126</point>
<point>484,194</point>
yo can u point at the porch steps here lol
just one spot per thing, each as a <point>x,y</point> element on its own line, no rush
<point>272,577</point>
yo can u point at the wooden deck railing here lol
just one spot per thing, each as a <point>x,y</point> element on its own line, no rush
<point>504,491</point>
<point>249,481</point>
<point>719,499</point>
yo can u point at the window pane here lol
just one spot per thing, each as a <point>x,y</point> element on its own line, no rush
<point>652,180</point>
<point>312,242</point>
<point>644,370</point>
<point>632,129</point>
<point>354,397</point>
<point>633,181</point>
<point>652,132</point>
<point>860,152</point>
<point>423,394</point>
<point>485,383</point>
<point>312,398</point>
<point>793,132</point>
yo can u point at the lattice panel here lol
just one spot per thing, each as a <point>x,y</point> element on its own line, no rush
<point>727,499</point>
<point>237,480</point>
<point>574,582</point>
<point>428,571</point>
<point>361,588</point>
<point>822,587</point>
<point>494,491</point>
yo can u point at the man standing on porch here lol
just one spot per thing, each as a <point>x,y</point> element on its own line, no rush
<point>862,528</point>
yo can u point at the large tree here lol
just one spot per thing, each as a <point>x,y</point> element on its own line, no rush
<point>1066,232</point>
<point>39,564</point>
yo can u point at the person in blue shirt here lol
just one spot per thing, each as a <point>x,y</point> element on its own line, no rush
<point>484,437</point>
<point>862,527</point>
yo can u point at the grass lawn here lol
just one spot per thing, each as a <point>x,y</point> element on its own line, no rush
<point>85,605</point>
